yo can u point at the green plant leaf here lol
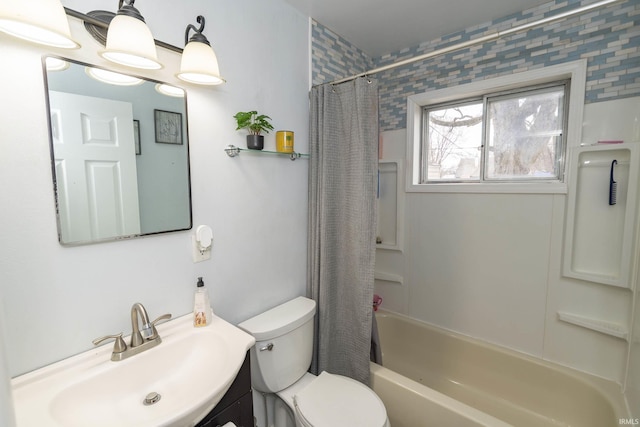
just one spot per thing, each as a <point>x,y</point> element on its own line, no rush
<point>253,122</point>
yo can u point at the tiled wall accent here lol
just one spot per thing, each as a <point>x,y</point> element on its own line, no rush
<point>333,57</point>
<point>609,38</point>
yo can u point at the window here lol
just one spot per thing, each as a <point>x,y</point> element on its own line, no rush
<point>515,135</point>
<point>500,143</point>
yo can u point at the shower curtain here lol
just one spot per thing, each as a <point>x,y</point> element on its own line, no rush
<point>343,170</point>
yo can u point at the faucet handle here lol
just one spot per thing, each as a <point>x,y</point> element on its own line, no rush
<point>152,325</point>
<point>118,347</point>
<point>165,316</point>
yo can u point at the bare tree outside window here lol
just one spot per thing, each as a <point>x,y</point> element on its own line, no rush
<point>455,137</point>
<point>523,136</point>
<point>524,132</point>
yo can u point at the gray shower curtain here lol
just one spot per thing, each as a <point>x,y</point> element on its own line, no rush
<point>343,170</point>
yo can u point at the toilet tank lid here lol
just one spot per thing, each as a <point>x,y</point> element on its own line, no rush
<point>281,319</point>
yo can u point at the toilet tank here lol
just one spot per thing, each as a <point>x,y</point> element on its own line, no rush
<point>284,344</point>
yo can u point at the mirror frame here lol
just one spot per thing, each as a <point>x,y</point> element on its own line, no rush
<point>53,165</point>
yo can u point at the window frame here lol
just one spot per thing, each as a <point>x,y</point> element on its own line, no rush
<point>424,171</point>
<point>574,72</point>
<point>485,100</point>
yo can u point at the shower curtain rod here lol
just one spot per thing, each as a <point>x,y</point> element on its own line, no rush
<point>479,40</point>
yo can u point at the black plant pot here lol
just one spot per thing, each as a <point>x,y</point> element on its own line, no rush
<point>255,142</point>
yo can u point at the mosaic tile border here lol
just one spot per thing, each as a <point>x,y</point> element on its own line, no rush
<point>609,38</point>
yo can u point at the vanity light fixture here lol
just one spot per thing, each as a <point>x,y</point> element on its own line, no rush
<point>199,63</point>
<point>112,77</point>
<point>129,40</point>
<point>169,90</point>
<point>56,64</point>
<point>38,21</point>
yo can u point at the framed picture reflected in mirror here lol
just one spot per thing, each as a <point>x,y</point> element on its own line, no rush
<point>136,136</point>
<point>168,127</point>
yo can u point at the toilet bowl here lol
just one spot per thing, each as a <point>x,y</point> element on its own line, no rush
<point>335,400</point>
<point>279,363</point>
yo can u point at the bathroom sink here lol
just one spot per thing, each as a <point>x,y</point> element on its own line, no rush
<point>190,370</point>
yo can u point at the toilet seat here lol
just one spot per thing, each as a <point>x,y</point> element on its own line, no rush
<point>338,401</point>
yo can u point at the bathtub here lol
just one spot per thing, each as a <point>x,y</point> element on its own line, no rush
<point>432,377</point>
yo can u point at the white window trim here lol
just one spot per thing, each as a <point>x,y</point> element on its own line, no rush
<point>576,71</point>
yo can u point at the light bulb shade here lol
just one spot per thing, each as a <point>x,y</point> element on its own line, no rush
<point>112,78</point>
<point>56,64</point>
<point>130,43</point>
<point>169,90</point>
<point>38,21</point>
<point>199,65</point>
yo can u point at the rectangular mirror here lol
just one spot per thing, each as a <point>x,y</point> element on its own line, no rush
<point>119,152</point>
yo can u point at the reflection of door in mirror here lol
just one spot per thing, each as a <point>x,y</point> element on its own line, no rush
<point>143,191</point>
<point>96,179</point>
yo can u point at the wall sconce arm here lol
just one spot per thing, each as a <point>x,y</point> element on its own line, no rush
<point>99,23</point>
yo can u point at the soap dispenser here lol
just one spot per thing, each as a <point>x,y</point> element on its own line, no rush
<point>201,305</point>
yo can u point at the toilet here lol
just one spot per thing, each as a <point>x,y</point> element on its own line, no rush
<point>279,363</point>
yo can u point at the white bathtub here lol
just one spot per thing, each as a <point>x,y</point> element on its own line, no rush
<point>432,377</point>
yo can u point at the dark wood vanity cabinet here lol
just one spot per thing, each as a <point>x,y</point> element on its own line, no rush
<point>236,405</point>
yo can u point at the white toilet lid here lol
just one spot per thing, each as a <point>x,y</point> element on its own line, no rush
<point>337,401</point>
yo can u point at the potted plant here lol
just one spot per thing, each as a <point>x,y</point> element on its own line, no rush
<point>256,124</point>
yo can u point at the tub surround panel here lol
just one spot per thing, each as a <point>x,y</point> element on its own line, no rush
<point>58,299</point>
<point>7,415</point>
<point>499,278</point>
<point>612,120</point>
<point>572,345</point>
<point>633,379</point>
<point>475,269</point>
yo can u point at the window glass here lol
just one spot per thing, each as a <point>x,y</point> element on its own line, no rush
<point>525,135</point>
<point>513,136</point>
<point>454,142</point>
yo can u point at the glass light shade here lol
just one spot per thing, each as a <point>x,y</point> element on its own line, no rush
<point>169,90</point>
<point>56,64</point>
<point>199,65</point>
<point>130,43</point>
<point>112,77</point>
<point>38,21</point>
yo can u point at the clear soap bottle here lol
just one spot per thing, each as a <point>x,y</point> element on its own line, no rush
<point>201,305</point>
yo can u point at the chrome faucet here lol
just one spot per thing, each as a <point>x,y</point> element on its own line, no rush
<point>141,339</point>
<point>138,337</point>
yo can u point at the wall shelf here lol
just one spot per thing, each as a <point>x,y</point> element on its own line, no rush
<point>599,236</point>
<point>388,277</point>
<point>233,151</point>
<point>390,205</point>
<point>609,328</point>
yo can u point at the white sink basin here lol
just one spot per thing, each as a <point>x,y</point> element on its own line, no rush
<point>191,370</point>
